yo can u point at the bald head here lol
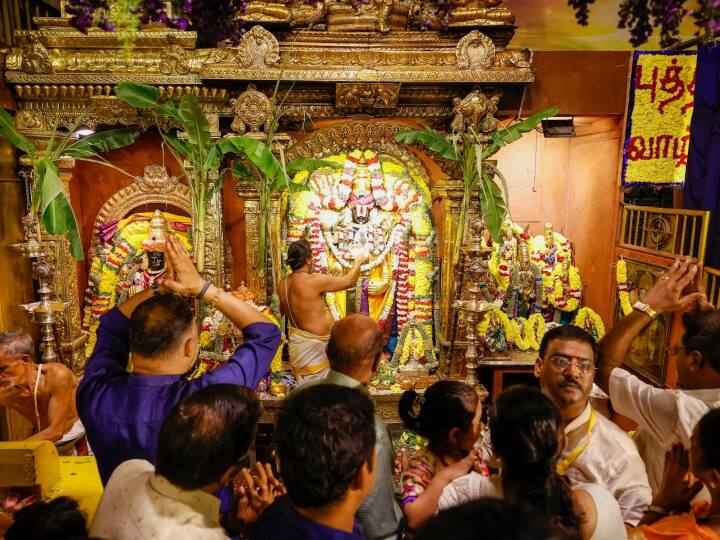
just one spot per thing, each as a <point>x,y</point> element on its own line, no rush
<point>355,345</point>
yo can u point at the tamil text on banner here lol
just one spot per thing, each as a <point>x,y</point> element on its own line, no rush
<point>662,89</point>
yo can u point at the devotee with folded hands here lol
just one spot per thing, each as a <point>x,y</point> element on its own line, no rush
<point>325,436</point>
<point>123,410</point>
<point>672,514</point>
<point>200,447</point>
<point>666,416</point>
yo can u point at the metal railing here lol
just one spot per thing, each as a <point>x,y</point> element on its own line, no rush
<point>665,231</point>
<point>712,286</point>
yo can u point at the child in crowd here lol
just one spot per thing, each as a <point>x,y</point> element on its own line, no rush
<point>448,415</point>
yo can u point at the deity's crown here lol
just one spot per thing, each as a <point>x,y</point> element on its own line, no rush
<point>158,233</point>
<point>361,179</point>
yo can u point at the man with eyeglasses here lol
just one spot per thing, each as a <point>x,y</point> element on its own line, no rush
<point>666,416</point>
<point>597,451</point>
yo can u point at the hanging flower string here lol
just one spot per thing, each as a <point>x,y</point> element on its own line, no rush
<point>622,284</point>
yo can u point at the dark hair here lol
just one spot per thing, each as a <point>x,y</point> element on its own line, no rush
<point>488,519</point>
<point>702,334</point>
<point>568,332</point>
<point>207,433</point>
<point>157,324</point>
<point>351,344</point>
<point>526,430</point>
<point>298,254</point>
<point>52,520</point>
<point>324,434</point>
<point>445,405</point>
<point>708,433</point>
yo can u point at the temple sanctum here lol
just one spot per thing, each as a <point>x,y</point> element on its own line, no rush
<point>466,175</point>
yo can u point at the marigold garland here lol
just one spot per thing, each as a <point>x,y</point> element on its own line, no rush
<point>622,284</point>
<point>589,320</point>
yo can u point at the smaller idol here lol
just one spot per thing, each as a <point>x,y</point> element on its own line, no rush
<point>154,248</point>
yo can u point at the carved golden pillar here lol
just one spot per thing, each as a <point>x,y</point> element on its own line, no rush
<point>72,338</point>
<point>247,191</point>
<point>450,191</point>
<point>215,240</point>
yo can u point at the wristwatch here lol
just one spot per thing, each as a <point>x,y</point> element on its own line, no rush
<point>642,306</point>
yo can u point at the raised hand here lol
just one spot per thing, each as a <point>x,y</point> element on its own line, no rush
<point>670,292</point>
<point>256,490</point>
<point>182,276</point>
<point>677,491</point>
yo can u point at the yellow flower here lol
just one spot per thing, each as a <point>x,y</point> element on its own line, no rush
<point>623,293</point>
<point>206,340</point>
<point>592,322</point>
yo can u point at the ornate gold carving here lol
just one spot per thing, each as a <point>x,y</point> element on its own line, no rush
<point>370,16</point>
<point>54,91</point>
<point>475,51</point>
<point>371,57</point>
<point>519,58</point>
<point>475,111</point>
<point>155,179</point>
<point>348,136</point>
<point>258,49</point>
<point>154,187</point>
<point>35,59</point>
<point>174,59</point>
<point>251,110</point>
<point>367,95</point>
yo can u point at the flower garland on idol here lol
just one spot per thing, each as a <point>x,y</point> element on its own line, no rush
<point>525,334</point>
<point>589,320</point>
<point>621,278</point>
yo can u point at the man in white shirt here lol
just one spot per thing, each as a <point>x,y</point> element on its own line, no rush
<point>597,450</point>
<point>200,446</point>
<point>666,416</point>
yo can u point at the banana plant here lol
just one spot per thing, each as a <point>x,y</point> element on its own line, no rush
<point>478,174</point>
<point>205,157</point>
<point>47,197</point>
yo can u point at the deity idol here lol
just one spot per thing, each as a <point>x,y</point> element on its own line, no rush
<point>376,208</point>
<point>129,258</point>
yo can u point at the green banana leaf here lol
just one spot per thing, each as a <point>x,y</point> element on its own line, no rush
<point>102,142</point>
<point>195,123</point>
<point>140,96</point>
<point>239,171</point>
<point>256,152</point>
<point>181,147</point>
<point>513,132</point>
<point>310,165</point>
<point>7,130</point>
<point>59,219</point>
<point>492,206</point>
<point>49,183</point>
<point>433,139</point>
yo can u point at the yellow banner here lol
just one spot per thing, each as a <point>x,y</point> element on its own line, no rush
<point>657,136</point>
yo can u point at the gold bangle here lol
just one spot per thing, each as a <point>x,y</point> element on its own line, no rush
<point>215,298</point>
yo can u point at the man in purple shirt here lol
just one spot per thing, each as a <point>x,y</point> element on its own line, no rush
<point>122,411</point>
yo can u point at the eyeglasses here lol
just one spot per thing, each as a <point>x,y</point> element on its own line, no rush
<point>561,363</point>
